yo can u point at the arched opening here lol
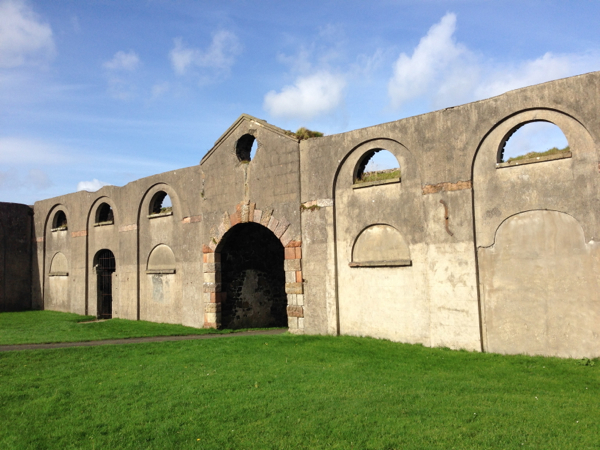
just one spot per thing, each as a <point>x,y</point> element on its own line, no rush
<point>246,147</point>
<point>59,222</point>
<point>532,140</point>
<point>104,214</point>
<point>253,277</point>
<point>105,266</point>
<point>160,204</point>
<point>377,165</point>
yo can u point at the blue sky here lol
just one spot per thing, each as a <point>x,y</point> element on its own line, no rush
<point>96,92</point>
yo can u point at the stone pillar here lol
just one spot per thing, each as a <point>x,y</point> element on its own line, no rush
<point>294,287</point>
<point>213,297</point>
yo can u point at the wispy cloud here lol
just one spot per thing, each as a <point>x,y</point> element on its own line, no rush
<point>16,150</point>
<point>159,89</point>
<point>123,61</point>
<point>119,72</point>
<point>308,97</point>
<point>211,63</point>
<point>443,72</point>
<point>24,38</point>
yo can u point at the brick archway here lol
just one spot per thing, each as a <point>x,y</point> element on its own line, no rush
<point>215,296</point>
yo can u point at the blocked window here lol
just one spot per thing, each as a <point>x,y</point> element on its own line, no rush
<point>161,260</point>
<point>59,266</point>
<point>533,142</point>
<point>380,246</point>
<point>160,204</point>
<point>377,166</point>
<point>59,222</point>
<point>246,147</point>
<point>104,214</point>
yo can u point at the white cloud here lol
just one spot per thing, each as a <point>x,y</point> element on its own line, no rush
<point>547,67</point>
<point>310,96</point>
<point>24,38</point>
<point>445,73</point>
<point>123,61</point>
<point>91,186</point>
<point>219,57</point>
<point>414,75</point>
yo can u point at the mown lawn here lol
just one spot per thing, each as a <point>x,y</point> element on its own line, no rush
<point>40,327</point>
<point>291,392</point>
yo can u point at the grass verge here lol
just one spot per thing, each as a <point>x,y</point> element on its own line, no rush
<point>41,327</point>
<point>290,391</point>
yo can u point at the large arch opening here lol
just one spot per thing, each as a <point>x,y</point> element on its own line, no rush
<point>105,266</point>
<point>253,278</point>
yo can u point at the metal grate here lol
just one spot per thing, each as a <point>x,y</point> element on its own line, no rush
<point>105,267</point>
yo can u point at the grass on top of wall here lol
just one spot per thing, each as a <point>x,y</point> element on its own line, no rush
<point>40,327</point>
<point>380,175</point>
<point>532,155</point>
<point>290,392</point>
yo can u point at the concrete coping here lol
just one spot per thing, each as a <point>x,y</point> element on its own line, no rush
<point>375,183</point>
<point>103,224</point>
<point>391,263</point>
<point>58,274</point>
<point>537,159</point>
<point>165,214</point>
<point>160,271</point>
<point>59,229</point>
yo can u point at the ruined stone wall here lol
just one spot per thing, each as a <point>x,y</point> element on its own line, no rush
<point>460,251</point>
<point>15,256</point>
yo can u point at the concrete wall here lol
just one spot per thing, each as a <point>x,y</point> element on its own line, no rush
<point>460,252</point>
<point>15,256</point>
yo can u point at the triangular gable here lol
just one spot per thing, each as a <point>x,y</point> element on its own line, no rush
<point>254,121</point>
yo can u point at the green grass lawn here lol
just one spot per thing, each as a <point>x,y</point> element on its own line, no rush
<point>289,392</point>
<point>39,327</point>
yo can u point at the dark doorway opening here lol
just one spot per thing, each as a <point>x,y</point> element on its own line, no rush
<point>252,275</point>
<point>105,266</point>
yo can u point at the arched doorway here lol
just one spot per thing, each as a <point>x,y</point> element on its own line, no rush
<point>253,277</point>
<point>105,266</point>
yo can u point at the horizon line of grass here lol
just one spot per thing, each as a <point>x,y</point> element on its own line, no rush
<point>46,327</point>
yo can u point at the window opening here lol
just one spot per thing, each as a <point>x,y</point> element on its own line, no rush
<point>105,214</point>
<point>376,166</point>
<point>246,148</point>
<point>105,266</point>
<point>161,204</point>
<point>533,141</point>
<point>60,221</point>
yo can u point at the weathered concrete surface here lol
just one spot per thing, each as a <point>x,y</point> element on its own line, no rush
<point>541,287</point>
<point>447,209</point>
<point>16,250</point>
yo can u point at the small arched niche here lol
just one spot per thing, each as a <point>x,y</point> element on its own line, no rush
<point>59,266</point>
<point>532,142</point>
<point>160,205</point>
<point>376,166</point>
<point>161,260</point>
<point>246,147</point>
<point>380,246</point>
<point>104,215</point>
<point>59,221</point>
